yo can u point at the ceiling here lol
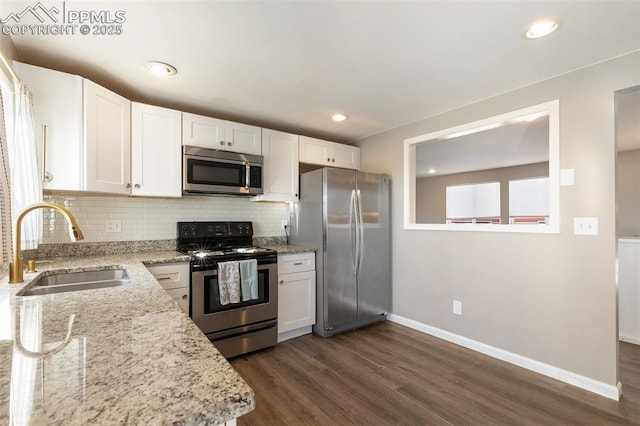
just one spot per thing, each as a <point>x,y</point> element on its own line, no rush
<point>512,144</point>
<point>290,65</point>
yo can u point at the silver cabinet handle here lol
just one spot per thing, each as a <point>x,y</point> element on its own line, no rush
<point>222,143</point>
<point>229,143</point>
<point>137,185</point>
<point>298,263</point>
<point>46,176</point>
<point>128,185</point>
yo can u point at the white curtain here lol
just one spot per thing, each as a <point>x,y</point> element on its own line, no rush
<point>26,188</point>
<point>5,191</point>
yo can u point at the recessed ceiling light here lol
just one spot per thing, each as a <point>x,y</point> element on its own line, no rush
<point>431,171</point>
<point>338,117</point>
<point>161,68</point>
<point>542,28</point>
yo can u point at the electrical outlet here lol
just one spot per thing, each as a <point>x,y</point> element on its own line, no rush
<point>585,225</point>
<point>113,225</point>
<point>284,223</point>
<point>457,307</point>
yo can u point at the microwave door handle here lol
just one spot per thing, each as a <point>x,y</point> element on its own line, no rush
<point>247,177</point>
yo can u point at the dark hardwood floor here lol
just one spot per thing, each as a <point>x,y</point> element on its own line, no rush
<point>387,374</point>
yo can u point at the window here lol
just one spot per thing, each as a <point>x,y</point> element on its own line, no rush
<point>477,203</point>
<point>529,201</point>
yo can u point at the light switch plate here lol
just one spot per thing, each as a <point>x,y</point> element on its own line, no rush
<point>585,225</point>
<point>457,307</point>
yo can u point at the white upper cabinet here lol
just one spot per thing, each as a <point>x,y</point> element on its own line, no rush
<point>280,170</point>
<point>213,133</point>
<point>107,125</point>
<point>325,153</point>
<point>156,161</point>
<point>57,99</point>
<point>243,138</point>
<point>83,132</point>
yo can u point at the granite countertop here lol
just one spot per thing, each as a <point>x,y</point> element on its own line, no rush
<point>289,249</point>
<point>134,357</point>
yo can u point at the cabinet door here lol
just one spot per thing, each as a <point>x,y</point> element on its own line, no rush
<point>325,153</point>
<point>314,151</point>
<point>201,131</point>
<point>156,166</point>
<point>345,156</point>
<point>296,301</point>
<point>57,103</point>
<point>243,138</point>
<point>107,125</point>
<point>181,297</point>
<point>280,172</point>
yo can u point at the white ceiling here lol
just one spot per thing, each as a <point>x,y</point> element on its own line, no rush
<point>290,65</point>
<point>513,144</point>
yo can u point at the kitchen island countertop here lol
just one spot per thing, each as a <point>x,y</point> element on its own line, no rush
<point>133,357</point>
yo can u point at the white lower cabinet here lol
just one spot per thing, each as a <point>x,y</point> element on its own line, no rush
<point>296,294</point>
<point>174,278</point>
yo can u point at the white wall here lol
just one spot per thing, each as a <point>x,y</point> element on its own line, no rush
<point>550,298</point>
<point>155,218</point>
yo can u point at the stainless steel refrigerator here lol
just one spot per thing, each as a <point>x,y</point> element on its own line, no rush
<point>345,215</point>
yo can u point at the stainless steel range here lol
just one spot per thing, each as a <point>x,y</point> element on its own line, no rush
<point>224,264</point>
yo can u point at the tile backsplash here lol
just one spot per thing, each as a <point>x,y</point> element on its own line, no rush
<point>155,218</point>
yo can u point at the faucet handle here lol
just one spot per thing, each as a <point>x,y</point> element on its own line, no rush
<point>31,266</point>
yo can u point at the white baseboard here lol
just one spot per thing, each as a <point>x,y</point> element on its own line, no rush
<point>630,339</point>
<point>293,333</point>
<point>610,391</point>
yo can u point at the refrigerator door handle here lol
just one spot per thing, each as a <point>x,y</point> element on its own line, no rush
<point>353,232</point>
<point>360,231</point>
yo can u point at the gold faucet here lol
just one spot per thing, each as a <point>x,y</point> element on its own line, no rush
<point>15,267</point>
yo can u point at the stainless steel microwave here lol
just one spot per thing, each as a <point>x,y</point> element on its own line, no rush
<point>212,171</point>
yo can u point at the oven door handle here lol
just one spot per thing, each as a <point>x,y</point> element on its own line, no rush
<point>242,330</point>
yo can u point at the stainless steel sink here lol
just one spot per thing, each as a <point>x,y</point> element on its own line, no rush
<point>76,281</point>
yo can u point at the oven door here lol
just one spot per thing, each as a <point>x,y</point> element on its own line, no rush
<point>213,317</point>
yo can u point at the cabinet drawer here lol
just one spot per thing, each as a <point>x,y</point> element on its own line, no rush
<point>298,262</point>
<point>171,275</point>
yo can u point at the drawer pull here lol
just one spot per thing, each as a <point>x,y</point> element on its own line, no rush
<point>184,297</point>
<point>163,278</point>
<point>298,263</point>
